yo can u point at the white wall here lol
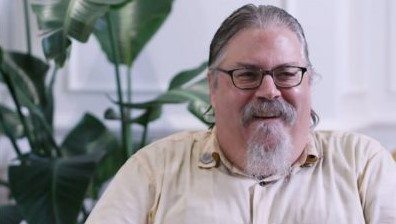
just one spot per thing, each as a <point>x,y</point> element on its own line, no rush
<point>181,43</point>
<point>352,45</point>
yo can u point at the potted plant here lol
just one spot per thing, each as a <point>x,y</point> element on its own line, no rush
<point>50,181</point>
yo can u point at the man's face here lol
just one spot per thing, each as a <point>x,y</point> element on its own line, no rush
<point>266,49</point>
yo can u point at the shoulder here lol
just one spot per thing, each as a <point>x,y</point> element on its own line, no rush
<point>346,141</point>
<point>347,148</point>
<point>175,143</point>
<point>171,149</point>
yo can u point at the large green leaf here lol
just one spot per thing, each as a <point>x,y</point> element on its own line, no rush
<point>201,108</point>
<point>51,16</point>
<point>26,83</point>
<point>60,19</point>
<point>133,26</point>
<point>90,136</point>
<point>51,190</point>
<point>28,74</point>
<point>10,123</point>
<point>196,96</point>
<point>107,168</point>
<point>75,17</point>
<point>185,87</point>
<point>56,46</point>
<point>10,214</point>
<point>177,96</point>
<point>174,96</point>
<point>36,70</point>
<point>150,114</point>
<point>81,18</point>
<point>186,76</point>
<point>50,13</point>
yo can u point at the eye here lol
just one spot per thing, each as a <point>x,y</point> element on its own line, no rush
<point>287,74</point>
<point>246,75</point>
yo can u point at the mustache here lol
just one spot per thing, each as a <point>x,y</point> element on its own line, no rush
<point>268,108</point>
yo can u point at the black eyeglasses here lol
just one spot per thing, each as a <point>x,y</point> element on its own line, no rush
<point>249,78</point>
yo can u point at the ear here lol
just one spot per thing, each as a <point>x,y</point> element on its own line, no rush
<point>212,82</point>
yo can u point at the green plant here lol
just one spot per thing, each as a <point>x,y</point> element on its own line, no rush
<point>60,176</point>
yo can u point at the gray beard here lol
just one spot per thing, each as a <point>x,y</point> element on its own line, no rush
<point>268,151</point>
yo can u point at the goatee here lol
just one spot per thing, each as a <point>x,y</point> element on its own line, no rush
<point>268,151</point>
<point>269,146</point>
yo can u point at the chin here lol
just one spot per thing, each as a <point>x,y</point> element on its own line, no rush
<point>268,151</point>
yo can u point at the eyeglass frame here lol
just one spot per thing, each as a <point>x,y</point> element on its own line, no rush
<point>264,73</point>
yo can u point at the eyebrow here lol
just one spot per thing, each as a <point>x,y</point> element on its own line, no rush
<point>256,66</point>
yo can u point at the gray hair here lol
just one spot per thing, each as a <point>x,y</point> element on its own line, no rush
<point>251,16</point>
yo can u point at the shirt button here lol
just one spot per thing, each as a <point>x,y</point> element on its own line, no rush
<point>206,158</point>
<point>216,158</point>
<point>264,183</point>
<point>310,161</point>
<point>312,158</point>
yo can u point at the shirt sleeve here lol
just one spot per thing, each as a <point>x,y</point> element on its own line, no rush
<point>128,198</point>
<point>377,189</point>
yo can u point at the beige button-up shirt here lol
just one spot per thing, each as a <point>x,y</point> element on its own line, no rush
<point>184,178</point>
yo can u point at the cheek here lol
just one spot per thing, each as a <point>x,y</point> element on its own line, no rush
<point>228,101</point>
<point>300,98</point>
<point>231,103</point>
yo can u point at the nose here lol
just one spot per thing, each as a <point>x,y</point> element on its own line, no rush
<point>267,89</point>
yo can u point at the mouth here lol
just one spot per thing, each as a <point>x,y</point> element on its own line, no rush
<point>266,117</point>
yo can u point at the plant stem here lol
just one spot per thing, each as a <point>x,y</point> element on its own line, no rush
<point>129,127</point>
<point>144,136</point>
<point>49,112</point>
<point>129,84</point>
<point>49,92</point>
<point>114,48</point>
<point>145,130</point>
<point>27,27</point>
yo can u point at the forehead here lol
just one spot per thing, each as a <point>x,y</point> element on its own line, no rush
<point>266,48</point>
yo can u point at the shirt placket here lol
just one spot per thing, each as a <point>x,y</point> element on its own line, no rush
<point>255,195</point>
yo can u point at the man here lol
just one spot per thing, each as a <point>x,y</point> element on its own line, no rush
<point>262,162</point>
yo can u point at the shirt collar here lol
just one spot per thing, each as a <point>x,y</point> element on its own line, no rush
<point>211,156</point>
<point>310,155</point>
